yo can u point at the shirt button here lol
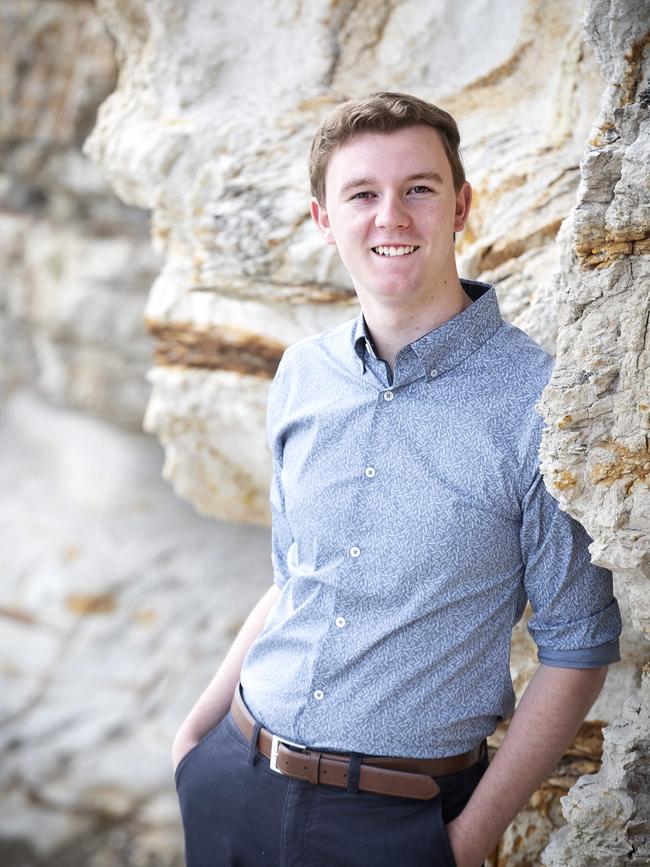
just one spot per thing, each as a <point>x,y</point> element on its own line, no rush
<point>370,472</point>
<point>388,395</point>
<point>433,372</point>
<point>319,695</point>
<point>340,622</point>
<point>354,552</point>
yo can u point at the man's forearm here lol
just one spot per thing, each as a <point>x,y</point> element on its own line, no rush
<point>547,718</point>
<point>214,702</point>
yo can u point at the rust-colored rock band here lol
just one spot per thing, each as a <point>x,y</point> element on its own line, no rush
<point>225,348</point>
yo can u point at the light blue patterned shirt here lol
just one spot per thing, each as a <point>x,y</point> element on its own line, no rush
<point>410,526</point>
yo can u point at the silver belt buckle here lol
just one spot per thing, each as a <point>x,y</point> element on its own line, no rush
<point>275,746</point>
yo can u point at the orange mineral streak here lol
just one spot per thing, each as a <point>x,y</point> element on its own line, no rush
<point>496,255</point>
<point>625,464</point>
<point>215,348</point>
<point>596,253</point>
<point>90,603</point>
<point>634,57</point>
<point>563,480</point>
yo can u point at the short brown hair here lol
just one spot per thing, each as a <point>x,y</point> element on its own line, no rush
<point>380,112</point>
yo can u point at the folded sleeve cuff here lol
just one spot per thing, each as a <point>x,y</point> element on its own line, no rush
<point>584,657</point>
<point>591,630</point>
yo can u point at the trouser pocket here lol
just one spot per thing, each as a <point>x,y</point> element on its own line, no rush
<point>444,846</point>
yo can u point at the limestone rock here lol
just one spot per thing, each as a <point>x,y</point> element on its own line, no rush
<point>77,264</point>
<point>609,812</point>
<point>595,447</point>
<point>117,602</point>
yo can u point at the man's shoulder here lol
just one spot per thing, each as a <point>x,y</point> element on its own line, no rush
<point>521,361</point>
<point>521,371</point>
<point>335,340</point>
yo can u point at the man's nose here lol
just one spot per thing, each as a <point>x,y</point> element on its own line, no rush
<point>392,213</point>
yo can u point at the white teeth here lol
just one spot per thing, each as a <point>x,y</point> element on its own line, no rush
<point>394,251</point>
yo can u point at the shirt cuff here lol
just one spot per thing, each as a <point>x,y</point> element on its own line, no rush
<point>582,657</point>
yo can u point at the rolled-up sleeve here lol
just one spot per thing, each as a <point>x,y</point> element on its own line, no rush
<point>576,621</point>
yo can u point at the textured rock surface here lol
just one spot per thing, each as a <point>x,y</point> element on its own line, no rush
<point>596,449</point>
<point>116,602</point>
<point>77,264</point>
<point>608,813</point>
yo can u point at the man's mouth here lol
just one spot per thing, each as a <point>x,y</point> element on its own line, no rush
<point>395,251</point>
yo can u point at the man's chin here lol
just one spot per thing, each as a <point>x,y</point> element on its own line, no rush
<point>390,292</point>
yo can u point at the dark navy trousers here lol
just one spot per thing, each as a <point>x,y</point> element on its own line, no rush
<point>237,812</point>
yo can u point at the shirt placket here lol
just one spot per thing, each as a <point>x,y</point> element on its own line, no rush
<point>360,548</point>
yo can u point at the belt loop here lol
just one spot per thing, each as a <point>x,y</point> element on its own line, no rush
<point>253,744</point>
<point>354,769</point>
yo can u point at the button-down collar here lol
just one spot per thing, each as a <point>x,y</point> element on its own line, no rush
<point>445,347</point>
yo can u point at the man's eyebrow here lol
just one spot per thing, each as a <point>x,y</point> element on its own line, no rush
<point>368,182</point>
<point>426,176</point>
<point>357,182</point>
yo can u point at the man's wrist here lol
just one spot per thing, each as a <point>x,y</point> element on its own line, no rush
<point>186,738</point>
<point>180,748</point>
<point>463,844</point>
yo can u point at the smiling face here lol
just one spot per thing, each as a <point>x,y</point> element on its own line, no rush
<point>391,210</point>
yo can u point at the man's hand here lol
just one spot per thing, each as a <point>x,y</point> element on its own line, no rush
<point>466,852</point>
<point>214,702</point>
<point>183,743</point>
<point>555,703</point>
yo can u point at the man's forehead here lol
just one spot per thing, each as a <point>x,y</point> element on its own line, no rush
<point>366,155</point>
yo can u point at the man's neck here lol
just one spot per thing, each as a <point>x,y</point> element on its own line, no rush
<point>394,326</point>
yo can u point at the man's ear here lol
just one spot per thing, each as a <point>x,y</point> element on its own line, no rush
<point>463,204</point>
<point>319,216</point>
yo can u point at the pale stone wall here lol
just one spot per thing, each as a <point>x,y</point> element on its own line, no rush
<point>77,264</point>
<point>596,455</point>
<point>116,602</point>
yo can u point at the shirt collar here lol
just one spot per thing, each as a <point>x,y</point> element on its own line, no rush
<point>451,343</point>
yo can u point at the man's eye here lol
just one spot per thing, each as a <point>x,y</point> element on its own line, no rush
<point>364,194</point>
<point>420,188</point>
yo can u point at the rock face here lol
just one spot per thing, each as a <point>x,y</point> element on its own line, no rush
<point>116,601</point>
<point>77,264</point>
<point>596,454</point>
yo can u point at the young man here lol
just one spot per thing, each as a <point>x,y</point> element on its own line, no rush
<point>410,526</point>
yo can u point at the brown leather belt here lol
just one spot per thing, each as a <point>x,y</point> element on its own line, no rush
<point>406,778</point>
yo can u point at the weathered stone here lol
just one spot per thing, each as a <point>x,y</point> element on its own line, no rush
<point>80,298</point>
<point>595,448</point>
<point>529,833</point>
<point>117,602</point>
<point>609,812</point>
<point>76,263</point>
